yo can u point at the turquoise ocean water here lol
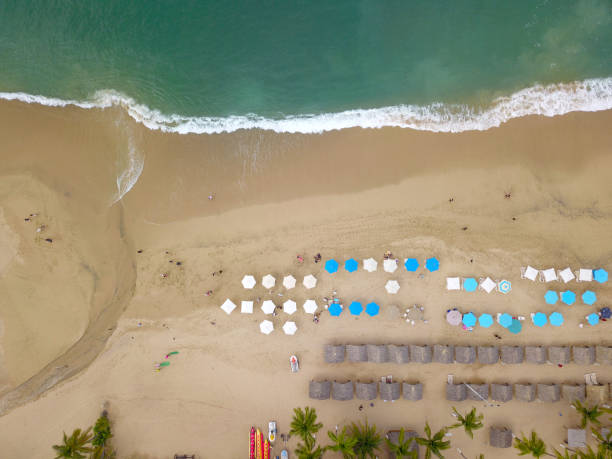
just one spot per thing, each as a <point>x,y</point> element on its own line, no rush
<point>297,66</point>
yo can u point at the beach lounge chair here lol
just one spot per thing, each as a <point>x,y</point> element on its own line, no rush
<point>529,273</point>
<point>319,390</point>
<point>487,284</point>
<point>398,354</point>
<point>536,354</point>
<point>412,391</point>
<point>576,438</point>
<point>377,353</point>
<point>559,355</point>
<point>488,355</point>
<point>366,390</point>
<point>389,391</point>
<point>566,275</point>
<point>393,437</point>
<point>603,355</point>
<point>548,275</point>
<point>420,354</point>
<point>501,392</point>
<point>443,353</point>
<point>549,392</point>
<point>342,390</point>
<point>500,437</point>
<point>584,275</point>
<point>525,392</point>
<point>583,355</point>
<point>455,392</point>
<point>453,283</point>
<point>356,353</point>
<point>571,392</point>
<point>479,392</point>
<point>465,354</point>
<point>512,355</point>
<point>334,353</point>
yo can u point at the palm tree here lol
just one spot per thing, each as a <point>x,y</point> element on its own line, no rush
<point>307,450</point>
<point>567,454</point>
<point>304,423</point>
<point>74,446</point>
<point>435,444</point>
<point>402,449</point>
<point>533,445</point>
<point>588,414</point>
<point>367,440</point>
<point>470,422</point>
<point>604,443</point>
<point>342,443</point>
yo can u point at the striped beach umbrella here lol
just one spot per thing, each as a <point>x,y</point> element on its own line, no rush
<point>331,266</point>
<point>411,264</point>
<point>355,308</point>
<point>351,265</point>
<point>568,297</point>
<point>551,297</point>
<point>505,286</point>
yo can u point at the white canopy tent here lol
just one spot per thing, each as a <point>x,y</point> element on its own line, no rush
<point>268,281</point>
<point>266,327</point>
<point>310,281</point>
<point>392,286</point>
<point>289,282</point>
<point>228,306</point>
<point>390,265</point>
<point>289,307</point>
<point>248,281</point>
<point>585,275</point>
<point>488,285</point>
<point>453,283</point>
<point>246,307</point>
<point>566,275</point>
<point>310,306</point>
<point>530,273</point>
<point>268,307</point>
<point>370,265</point>
<point>549,275</point>
<point>289,328</point>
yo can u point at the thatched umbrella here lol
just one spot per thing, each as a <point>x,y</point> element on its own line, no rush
<point>501,392</point>
<point>398,354</point>
<point>389,391</point>
<point>456,392</point>
<point>535,354</point>
<point>549,392</point>
<point>342,391</point>
<point>412,391</point>
<point>420,354</point>
<point>512,354</point>
<point>366,390</point>
<point>356,353</point>
<point>559,355</point>
<point>377,353</point>
<point>603,354</point>
<point>488,355</point>
<point>500,437</point>
<point>334,353</point>
<point>573,392</point>
<point>393,437</point>
<point>583,355</point>
<point>319,390</point>
<point>477,391</point>
<point>443,353</point>
<point>525,392</point>
<point>597,394</point>
<point>465,354</point>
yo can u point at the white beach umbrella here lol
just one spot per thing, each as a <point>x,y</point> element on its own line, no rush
<point>531,273</point>
<point>370,264</point>
<point>390,265</point>
<point>549,274</point>
<point>248,281</point>
<point>488,285</point>
<point>453,283</point>
<point>289,306</point>
<point>289,282</point>
<point>310,281</point>
<point>268,281</point>
<point>268,307</point>
<point>228,306</point>
<point>266,327</point>
<point>567,275</point>
<point>392,286</point>
<point>585,275</point>
<point>289,328</point>
<point>310,306</point>
<point>247,307</point>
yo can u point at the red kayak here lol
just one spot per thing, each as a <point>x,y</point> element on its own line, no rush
<point>252,444</point>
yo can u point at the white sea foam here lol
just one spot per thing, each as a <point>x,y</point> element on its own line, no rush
<point>130,172</point>
<point>556,99</point>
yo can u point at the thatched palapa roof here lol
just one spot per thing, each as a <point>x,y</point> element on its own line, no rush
<point>412,391</point>
<point>393,437</point>
<point>366,390</point>
<point>319,390</point>
<point>334,353</point>
<point>500,437</point>
<point>389,391</point>
<point>583,355</point>
<point>603,355</point>
<point>356,353</point>
<point>573,392</point>
<point>398,354</point>
<point>535,354</point>
<point>377,353</point>
<point>456,392</point>
<point>512,354</point>
<point>443,353</point>
<point>549,392</point>
<point>488,355</point>
<point>597,394</point>
<point>465,354</point>
<point>420,354</point>
<point>342,391</point>
<point>501,392</point>
<point>559,355</point>
<point>477,391</point>
<point>525,392</point>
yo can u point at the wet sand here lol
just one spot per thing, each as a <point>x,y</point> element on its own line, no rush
<point>348,193</point>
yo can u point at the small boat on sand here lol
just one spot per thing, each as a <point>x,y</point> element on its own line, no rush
<point>252,444</point>
<point>284,454</point>
<point>272,431</point>
<point>295,365</point>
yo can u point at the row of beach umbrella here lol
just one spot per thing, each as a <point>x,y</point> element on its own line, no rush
<point>310,307</point>
<point>267,327</point>
<point>269,281</point>
<point>566,275</point>
<point>470,284</point>
<point>389,265</point>
<point>568,297</point>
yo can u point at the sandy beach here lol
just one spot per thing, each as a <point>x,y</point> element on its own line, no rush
<point>84,318</point>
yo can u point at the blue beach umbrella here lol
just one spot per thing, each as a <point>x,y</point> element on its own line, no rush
<point>505,320</point>
<point>551,297</point>
<point>351,265</point>
<point>335,309</point>
<point>356,308</point>
<point>411,264</point>
<point>485,320</point>
<point>600,275</point>
<point>469,319</point>
<point>432,264</point>
<point>589,297</point>
<point>372,309</point>
<point>593,319</point>
<point>539,319</point>
<point>568,297</point>
<point>515,327</point>
<point>470,284</point>
<point>605,313</point>
<point>556,319</point>
<point>331,266</point>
